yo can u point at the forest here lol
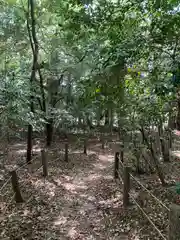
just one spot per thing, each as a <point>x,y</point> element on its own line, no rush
<point>89,119</point>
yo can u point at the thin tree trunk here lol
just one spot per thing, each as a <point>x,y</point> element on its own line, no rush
<point>29,143</point>
<point>164,150</point>
<point>34,47</point>
<point>49,132</point>
<point>155,160</point>
<point>178,114</point>
<point>111,120</point>
<point>106,118</point>
<point>42,91</point>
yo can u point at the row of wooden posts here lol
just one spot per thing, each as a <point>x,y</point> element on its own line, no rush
<point>125,171</point>
<point>14,178</point>
<point>15,182</point>
<point>174,214</point>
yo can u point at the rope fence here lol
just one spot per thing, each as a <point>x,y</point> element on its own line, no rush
<point>141,209</point>
<point>5,184</point>
<point>18,183</point>
<point>174,210</point>
<point>152,195</point>
<point>15,182</point>
<point>26,164</point>
<point>144,213</point>
<point>147,217</point>
<point>17,169</point>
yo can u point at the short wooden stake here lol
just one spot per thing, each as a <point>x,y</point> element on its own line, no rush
<point>15,186</point>
<point>174,222</point>
<point>116,165</point>
<point>44,163</point>
<point>126,187</point>
<point>66,152</point>
<point>85,146</point>
<point>103,142</point>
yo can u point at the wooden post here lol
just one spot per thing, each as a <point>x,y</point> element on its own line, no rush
<point>44,163</point>
<point>126,187</point>
<point>15,186</point>
<point>102,140</point>
<point>66,152</point>
<point>116,165</point>
<point>174,222</point>
<point>85,146</point>
<point>103,143</point>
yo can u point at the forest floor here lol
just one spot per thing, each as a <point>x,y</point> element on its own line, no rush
<point>78,200</point>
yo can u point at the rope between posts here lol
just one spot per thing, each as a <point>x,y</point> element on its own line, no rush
<point>4,185</point>
<point>30,175</point>
<point>4,194</point>
<point>152,195</point>
<point>119,175</point>
<point>134,200</point>
<point>17,169</point>
<point>159,232</point>
<point>55,160</point>
<point>27,178</point>
<point>38,169</point>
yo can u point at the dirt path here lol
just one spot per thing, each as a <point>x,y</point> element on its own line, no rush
<point>77,201</point>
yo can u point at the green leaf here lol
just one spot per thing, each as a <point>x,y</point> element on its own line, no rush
<point>98,90</point>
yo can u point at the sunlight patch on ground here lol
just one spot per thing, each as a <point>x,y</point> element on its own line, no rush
<point>77,151</point>
<point>67,178</point>
<point>105,158</point>
<point>74,187</point>
<point>92,152</point>
<point>83,195</point>
<point>72,233</point>
<point>19,145</point>
<point>110,202</point>
<point>93,177</point>
<point>21,151</point>
<point>88,206</point>
<point>36,150</point>
<point>108,177</point>
<point>91,198</point>
<point>61,220</point>
<point>99,166</point>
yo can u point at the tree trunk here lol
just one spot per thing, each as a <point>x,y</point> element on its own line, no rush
<point>35,48</point>
<point>178,115</point>
<point>29,143</point>
<point>158,168</point>
<point>155,160</point>
<point>171,121</point>
<point>106,118</point>
<point>49,132</point>
<point>111,119</point>
<point>164,150</point>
